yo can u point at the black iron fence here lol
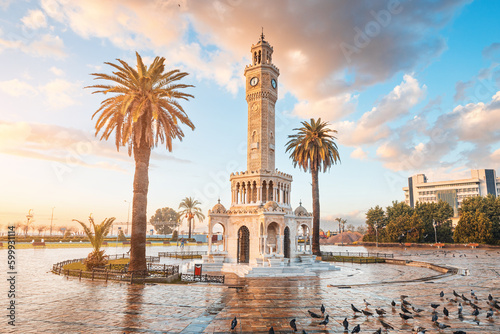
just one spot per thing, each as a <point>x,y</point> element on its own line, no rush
<point>183,255</point>
<point>203,278</point>
<point>358,254</point>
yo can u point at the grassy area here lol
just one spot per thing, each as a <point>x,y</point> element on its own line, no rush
<point>81,266</point>
<point>353,259</point>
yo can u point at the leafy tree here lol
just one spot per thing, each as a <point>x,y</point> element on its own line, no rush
<point>313,149</point>
<point>375,217</point>
<point>175,235</point>
<point>96,233</point>
<point>191,210</point>
<point>144,112</point>
<point>41,228</point>
<point>440,213</point>
<point>404,228</point>
<point>164,220</point>
<point>490,206</point>
<point>121,236</point>
<point>473,227</point>
<point>398,209</point>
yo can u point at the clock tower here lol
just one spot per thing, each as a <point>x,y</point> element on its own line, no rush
<point>261,95</point>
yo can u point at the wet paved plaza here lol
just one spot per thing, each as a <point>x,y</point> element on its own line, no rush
<point>48,303</point>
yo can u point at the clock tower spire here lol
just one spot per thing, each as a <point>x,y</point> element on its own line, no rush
<point>261,95</point>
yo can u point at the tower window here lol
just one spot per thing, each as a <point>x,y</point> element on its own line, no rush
<point>258,58</point>
<point>255,58</point>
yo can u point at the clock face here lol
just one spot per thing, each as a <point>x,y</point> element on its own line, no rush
<point>273,83</point>
<point>254,81</point>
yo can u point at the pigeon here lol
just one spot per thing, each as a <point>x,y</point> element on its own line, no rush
<point>355,309</point>
<point>385,324</point>
<point>489,314</point>
<point>441,325</point>
<point>445,312</point>
<point>441,294</point>
<point>405,316</point>
<point>456,294</point>
<point>460,308</point>
<point>322,309</point>
<point>419,330</point>
<point>378,331</point>
<point>474,306</point>
<point>434,306</point>
<point>393,303</point>
<point>490,297</point>
<point>473,294</point>
<point>293,325</point>
<point>356,329</point>
<point>459,332</point>
<point>434,317</point>
<point>367,313</point>
<point>380,311</point>
<point>366,303</point>
<point>405,302</point>
<point>304,332</point>
<point>403,297</point>
<point>404,309</point>
<point>417,310</point>
<point>234,323</point>
<point>325,321</point>
<point>345,323</point>
<point>465,298</point>
<point>314,315</point>
<point>475,312</point>
<point>271,330</point>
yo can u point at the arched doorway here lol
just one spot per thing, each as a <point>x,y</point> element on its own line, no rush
<point>243,245</point>
<point>272,237</point>
<point>286,243</point>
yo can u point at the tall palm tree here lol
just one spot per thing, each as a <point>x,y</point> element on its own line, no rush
<point>313,149</point>
<point>191,210</point>
<point>144,112</point>
<point>96,233</point>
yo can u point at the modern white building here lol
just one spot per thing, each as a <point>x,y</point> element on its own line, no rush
<point>481,183</point>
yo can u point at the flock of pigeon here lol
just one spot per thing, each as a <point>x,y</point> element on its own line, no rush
<point>409,311</point>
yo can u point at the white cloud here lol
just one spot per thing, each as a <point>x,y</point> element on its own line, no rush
<point>373,125</point>
<point>46,45</point>
<point>330,108</point>
<point>34,20</point>
<point>495,156</point>
<point>60,93</point>
<point>17,88</point>
<point>57,71</point>
<point>358,153</point>
<point>13,134</point>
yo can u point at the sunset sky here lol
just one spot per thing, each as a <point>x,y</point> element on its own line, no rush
<point>411,87</point>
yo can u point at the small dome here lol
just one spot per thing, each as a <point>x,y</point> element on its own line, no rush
<point>301,211</point>
<point>271,204</point>
<point>218,208</point>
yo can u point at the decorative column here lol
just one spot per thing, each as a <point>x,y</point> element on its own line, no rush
<point>310,243</point>
<point>265,244</point>
<point>209,236</point>
<point>259,195</point>
<point>278,245</point>
<point>224,243</point>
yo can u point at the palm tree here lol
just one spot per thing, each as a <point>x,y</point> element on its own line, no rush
<point>144,112</point>
<point>313,149</point>
<point>191,210</point>
<point>96,234</point>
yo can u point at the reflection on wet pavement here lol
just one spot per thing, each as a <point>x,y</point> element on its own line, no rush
<point>49,303</point>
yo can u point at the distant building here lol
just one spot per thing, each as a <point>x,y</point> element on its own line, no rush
<point>481,183</point>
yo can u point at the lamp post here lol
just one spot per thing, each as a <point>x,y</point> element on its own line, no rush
<point>128,215</point>
<point>29,216</point>
<point>435,232</point>
<point>51,220</point>
<point>376,233</point>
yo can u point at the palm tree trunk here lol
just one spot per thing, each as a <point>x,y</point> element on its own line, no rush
<point>139,207</point>
<point>315,196</point>
<point>189,223</point>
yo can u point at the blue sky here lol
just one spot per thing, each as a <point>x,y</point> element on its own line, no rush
<point>417,91</point>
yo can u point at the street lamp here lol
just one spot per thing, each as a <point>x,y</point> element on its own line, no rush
<point>51,220</point>
<point>435,232</point>
<point>128,215</point>
<point>28,217</point>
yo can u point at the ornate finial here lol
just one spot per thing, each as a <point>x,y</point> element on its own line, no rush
<point>219,200</point>
<point>300,203</point>
<point>262,35</point>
